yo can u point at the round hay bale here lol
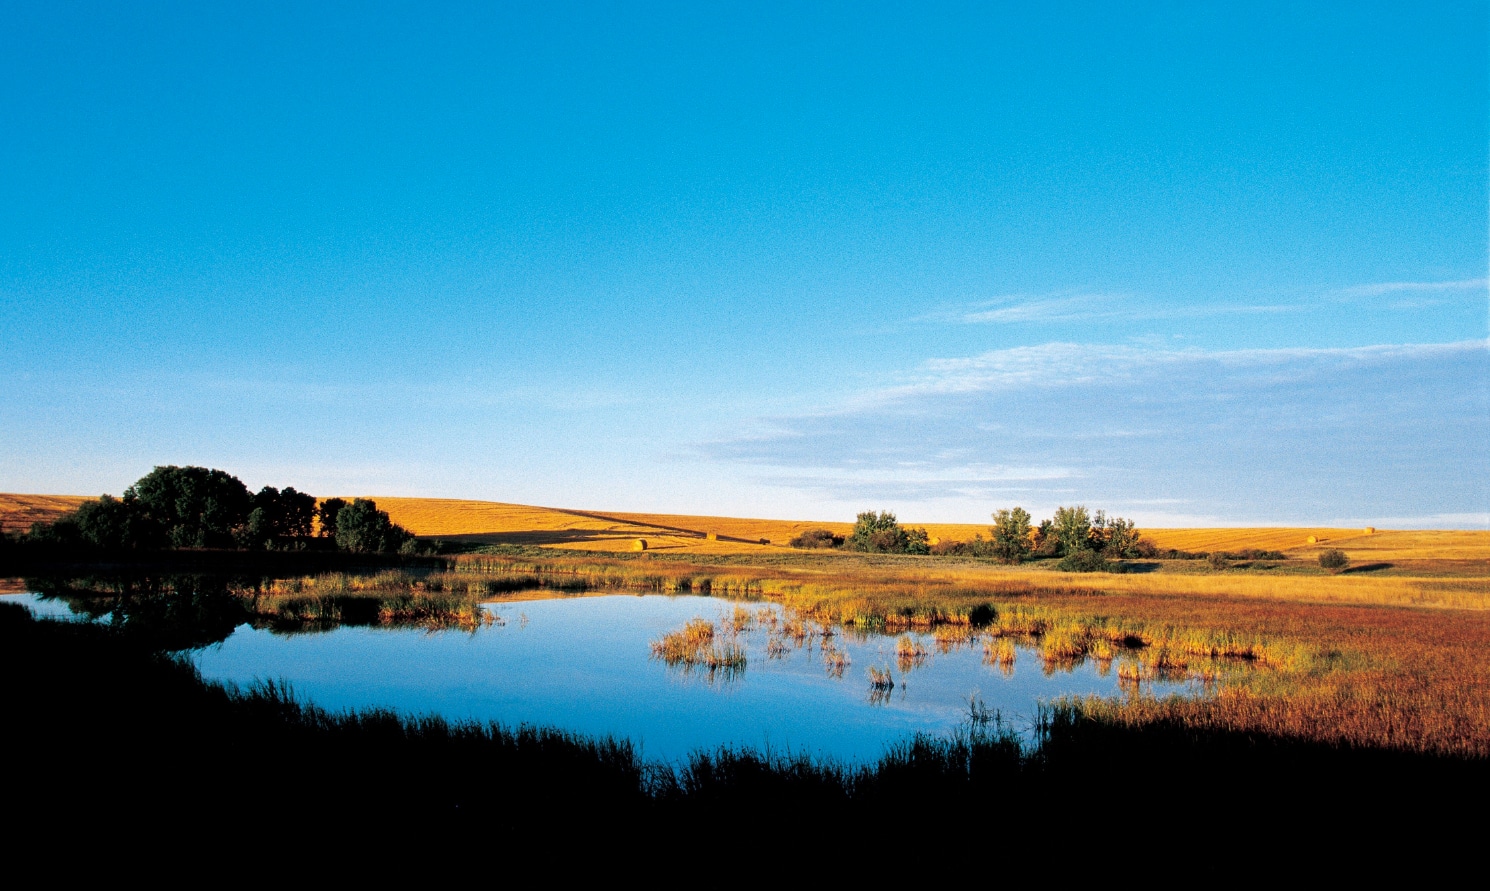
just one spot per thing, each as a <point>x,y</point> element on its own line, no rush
<point>1313,540</point>
<point>1369,530</point>
<point>711,536</point>
<point>639,545</point>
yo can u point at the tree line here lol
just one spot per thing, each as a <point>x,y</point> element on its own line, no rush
<point>1082,540</point>
<point>174,508</point>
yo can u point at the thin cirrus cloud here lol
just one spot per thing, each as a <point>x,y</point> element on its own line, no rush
<point>1095,306</point>
<point>1377,289</point>
<point>1090,307</point>
<point>1239,436</point>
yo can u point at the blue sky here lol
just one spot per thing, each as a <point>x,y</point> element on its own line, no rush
<point>1221,265</point>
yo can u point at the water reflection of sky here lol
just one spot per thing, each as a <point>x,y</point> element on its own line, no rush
<point>584,664</point>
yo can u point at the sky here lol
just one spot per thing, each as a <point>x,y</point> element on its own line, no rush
<point>1194,264</point>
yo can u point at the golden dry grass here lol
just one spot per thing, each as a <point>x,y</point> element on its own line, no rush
<point>18,512</point>
<point>499,523</point>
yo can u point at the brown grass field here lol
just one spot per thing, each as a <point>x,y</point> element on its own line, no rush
<point>1391,652</point>
<point>18,512</point>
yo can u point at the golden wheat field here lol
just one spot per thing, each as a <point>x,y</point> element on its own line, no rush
<point>18,512</point>
<point>593,530</point>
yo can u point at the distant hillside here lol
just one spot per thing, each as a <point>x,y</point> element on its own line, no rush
<point>18,512</point>
<point>499,523</point>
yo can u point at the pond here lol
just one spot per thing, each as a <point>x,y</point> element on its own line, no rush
<point>586,664</point>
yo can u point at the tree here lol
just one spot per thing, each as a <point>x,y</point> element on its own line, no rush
<point>1072,528</point>
<point>196,507</point>
<point>115,525</point>
<point>1119,538</point>
<point>363,529</point>
<point>881,533</point>
<point>1011,535</point>
<point>326,515</point>
<point>278,518</point>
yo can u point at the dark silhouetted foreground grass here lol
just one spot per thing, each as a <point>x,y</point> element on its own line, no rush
<point>115,738</point>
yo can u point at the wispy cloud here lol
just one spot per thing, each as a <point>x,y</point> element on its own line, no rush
<point>1275,435</point>
<point>1097,306</point>
<point>1379,288</point>
<point>1088,307</point>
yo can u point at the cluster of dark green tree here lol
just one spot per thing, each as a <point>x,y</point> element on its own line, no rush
<point>198,507</point>
<point>1082,540</point>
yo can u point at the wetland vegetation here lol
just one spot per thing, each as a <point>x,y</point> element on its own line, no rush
<point>1309,680</point>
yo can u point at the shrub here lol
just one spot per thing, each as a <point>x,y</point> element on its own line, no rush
<point>978,547</point>
<point>1218,560</point>
<point>1333,558</point>
<point>1087,561</point>
<point>817,538</point>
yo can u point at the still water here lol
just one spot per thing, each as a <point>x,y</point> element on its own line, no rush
<point>585,664</point>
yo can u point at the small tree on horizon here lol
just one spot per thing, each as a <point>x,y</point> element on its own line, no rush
<point>1011,533</point>
<point>1072,528</point>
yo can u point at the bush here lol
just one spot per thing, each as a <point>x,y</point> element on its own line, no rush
<point>1218,560</point>
<point>978,547</point>
<point>1333,558</point>
<point>1087,561</point>
<point>817,538</point>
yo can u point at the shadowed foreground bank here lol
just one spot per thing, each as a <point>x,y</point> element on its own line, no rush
<point>137,741</point>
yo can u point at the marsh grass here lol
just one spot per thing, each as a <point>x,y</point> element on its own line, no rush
<point>697,645</point>
<point>909,653</point>
<point>835,660</point>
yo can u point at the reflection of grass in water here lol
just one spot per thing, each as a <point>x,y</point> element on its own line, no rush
<point>836,661</point>
<point>1000,651</point>
<point>951,637</point>
<point>909,653</point>
<point>418,609</point>
<point>881,685</point>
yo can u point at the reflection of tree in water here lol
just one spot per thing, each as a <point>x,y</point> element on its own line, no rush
<point>159,612</point>
<point>187,611</point>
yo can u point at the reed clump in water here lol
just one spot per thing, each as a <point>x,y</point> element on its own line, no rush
<point>835,660</point>
<point>696,644</point>
<point>909,653</point>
